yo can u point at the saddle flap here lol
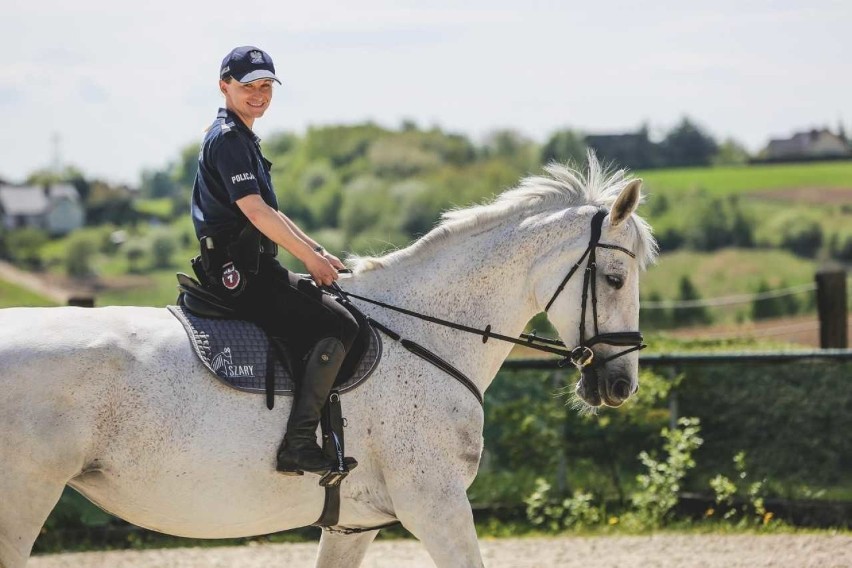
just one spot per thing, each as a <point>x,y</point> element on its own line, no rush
<point>201,301</point>
<point>237,352</point>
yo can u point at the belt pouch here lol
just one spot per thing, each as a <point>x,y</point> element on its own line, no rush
<point>199,269</point>
<point>245,249</point>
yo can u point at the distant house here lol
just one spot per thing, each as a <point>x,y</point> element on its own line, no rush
<point>812,145</point>
<point>56,209</point>
<point>631,150</point>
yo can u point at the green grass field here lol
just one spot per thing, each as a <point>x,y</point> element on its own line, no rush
<point>743,179</point>
<point>13,296</point>
<point>727,271</point>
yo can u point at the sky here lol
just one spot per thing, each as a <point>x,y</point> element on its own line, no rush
<point>119,87</point>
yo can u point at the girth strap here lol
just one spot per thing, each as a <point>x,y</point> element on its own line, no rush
<point>332,425</point>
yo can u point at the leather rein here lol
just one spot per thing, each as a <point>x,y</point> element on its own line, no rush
<point>580,356</point>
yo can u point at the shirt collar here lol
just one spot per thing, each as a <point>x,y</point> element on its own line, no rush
<point>228,114</point>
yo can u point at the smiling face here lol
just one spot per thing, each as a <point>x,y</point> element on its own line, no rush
<point>247,100</point>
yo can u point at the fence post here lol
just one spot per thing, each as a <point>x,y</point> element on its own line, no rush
<point>833,311</point>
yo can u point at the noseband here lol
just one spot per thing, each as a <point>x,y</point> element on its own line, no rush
<point>582,355</point>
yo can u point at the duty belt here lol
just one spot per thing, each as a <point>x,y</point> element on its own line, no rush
<point>267,246</point>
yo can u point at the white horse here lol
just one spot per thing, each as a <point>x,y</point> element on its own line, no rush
<point>113,401</point>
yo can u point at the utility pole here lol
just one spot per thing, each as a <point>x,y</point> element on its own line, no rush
<point>56,142</point>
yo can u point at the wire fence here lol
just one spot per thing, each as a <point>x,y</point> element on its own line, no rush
<point>731,300</point>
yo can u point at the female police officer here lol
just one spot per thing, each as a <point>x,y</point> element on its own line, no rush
<point>236,218</point>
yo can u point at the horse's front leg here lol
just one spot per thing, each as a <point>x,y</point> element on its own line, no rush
<point>438,513</point>
<point>338,550</point>
<point>428,485</point>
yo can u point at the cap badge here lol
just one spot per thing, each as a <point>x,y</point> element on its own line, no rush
<point>256,56</point>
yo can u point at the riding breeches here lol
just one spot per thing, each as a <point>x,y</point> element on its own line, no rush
<point>285,304</point>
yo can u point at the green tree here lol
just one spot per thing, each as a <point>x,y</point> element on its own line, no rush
<point>513,148</point>
<point>183,172</point>
<point>691,315</point>
<point>24,246</point>
<point>80,254</point>
<point>656,318</point>
<point>367,205</point>
<point>802,236</point>
<point>731,153</point>
<point>400,157</point>
<point>772,307</point>
<point>156,184</point>
<point>135,251</point>
<point>564,146</point>
<point>163,247</point>
<point>688,145</point>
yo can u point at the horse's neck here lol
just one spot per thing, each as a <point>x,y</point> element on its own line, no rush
<point>476,281</point>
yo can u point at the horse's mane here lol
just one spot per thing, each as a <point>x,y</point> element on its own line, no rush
<point>566,187</point>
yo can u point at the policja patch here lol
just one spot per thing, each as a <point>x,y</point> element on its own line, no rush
<point>230,276</point>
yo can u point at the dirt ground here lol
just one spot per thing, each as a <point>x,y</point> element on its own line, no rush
<point>663,551</point>
<point>821,195</point>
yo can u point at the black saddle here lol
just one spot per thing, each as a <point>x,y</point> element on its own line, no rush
<point>240,353</point>
<point>201,301</point>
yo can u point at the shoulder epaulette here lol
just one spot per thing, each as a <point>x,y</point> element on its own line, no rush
<point>226,126</point>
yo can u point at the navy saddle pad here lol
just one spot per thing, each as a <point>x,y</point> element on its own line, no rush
<point>236,352</point>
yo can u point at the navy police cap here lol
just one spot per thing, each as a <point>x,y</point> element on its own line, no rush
<point>247,64</point>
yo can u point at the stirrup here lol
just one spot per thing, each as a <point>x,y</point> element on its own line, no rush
<point>334,477</point>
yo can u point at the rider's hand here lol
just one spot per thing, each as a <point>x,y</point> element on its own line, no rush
<point>335,262</point>
<point>321,270</point>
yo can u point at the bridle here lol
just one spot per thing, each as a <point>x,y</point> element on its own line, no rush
<point>580,356</point>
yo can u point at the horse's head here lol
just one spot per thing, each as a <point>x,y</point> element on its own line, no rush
<point>594,297</point>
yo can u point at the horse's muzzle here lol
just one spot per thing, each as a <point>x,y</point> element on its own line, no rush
<point>595,390</point>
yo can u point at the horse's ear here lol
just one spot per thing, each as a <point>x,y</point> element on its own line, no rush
<point>626,202</point>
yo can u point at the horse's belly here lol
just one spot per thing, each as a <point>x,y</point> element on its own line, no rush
<point>210,500</point>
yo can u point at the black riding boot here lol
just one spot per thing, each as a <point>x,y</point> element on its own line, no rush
<point>300,452</point>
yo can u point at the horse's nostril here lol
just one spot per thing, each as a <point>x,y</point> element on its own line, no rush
<point>621,389</point>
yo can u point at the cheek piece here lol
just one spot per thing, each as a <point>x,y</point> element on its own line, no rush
<point>582,355</point>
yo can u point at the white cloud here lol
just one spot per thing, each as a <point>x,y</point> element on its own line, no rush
<point>127,87</point>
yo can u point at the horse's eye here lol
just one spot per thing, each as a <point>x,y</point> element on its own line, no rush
<point>615,281</point>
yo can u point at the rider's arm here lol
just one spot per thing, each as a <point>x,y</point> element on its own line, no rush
<point>299,232</point>
<point>335,262</point>
<point>269,222</point>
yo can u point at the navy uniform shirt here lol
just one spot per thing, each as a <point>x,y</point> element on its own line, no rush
<point>230,166</point>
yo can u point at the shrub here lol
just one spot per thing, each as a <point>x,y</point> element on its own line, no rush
<point>802,236</point>
<point>753,507</point>
<point>163,246</point>
<point>79,255</point>
<point>576,511</point>
<point>694,314</point>
<point>660,486</point>
<point>764,308</point>
<point>135,251</point>
<point>24,246</point>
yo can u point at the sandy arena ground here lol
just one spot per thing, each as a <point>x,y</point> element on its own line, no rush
<point>663,551</point>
